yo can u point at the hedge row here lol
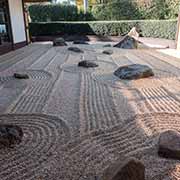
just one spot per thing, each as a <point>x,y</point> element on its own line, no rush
<point>108,10</point>
<point>147,28</point>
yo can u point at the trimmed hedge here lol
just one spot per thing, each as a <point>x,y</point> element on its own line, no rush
<point>147,28</point>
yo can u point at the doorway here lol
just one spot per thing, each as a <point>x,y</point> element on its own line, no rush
<point>5,28</point>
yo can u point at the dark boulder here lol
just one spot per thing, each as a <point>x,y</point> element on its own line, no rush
<point>127,42</point>
<point>134,71</point>
<point>75,49</point>
<point>59,42</point>
<point>10,135</point>
<point>21,76</point>
<point>80,42</point>
<point>129,169</point>
<point>169,144</point>
<point>87,64</point>
<point>108,52</point>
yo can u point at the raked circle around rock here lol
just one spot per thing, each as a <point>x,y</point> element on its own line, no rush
<point>42,135</point>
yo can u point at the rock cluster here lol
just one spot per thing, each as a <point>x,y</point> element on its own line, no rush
<point>108,52</point>
<point>75,49</point>
<point>127,42</point>
<point>129,169</point>
<point>87,64</point>
<point>169,144</point>
<point>21,76</point>
<point>10,135</point>
<point>59,42</point>
<point>134,71</point>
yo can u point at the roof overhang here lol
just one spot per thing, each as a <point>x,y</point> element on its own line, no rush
<point>35,1</point>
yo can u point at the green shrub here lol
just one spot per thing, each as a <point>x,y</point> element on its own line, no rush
<point>116,10</point>
<point>113,10</point>
<point>148,28</point>
<point>56,12</point>
<point>158,28</point>
<point>133,10</point>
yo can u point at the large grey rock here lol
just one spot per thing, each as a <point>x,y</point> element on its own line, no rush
<point>133,33</point>
<point>80,42</point>
<point>169,144</point>
<point>134,71</point>
<point>129,169</point>
<point>59,42</point>
<point>127,42</point>
<point>21,76</point>
<point>10,135</point>
<point>87,64</point>
<point>108,52</point>
<point>75,49</point>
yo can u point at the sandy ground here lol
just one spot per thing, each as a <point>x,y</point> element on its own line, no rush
<point>78,121</point>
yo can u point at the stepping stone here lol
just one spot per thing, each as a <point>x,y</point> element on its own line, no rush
<point>75,49</point>
<point>127,42</point>
<point>169,144</point>
<point>107,45</point>
<point>134,71</point>
<point>87,64</point>
<point>59,42</point>
<point>129,169</point>
<point>10,135</point>
<point>108,52</point>
<point>80,42</point>
<point>21,76</point>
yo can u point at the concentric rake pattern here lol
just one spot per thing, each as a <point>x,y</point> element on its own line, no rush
<point>33,74</point>
<point>89,155</point>
<point>42,135</point>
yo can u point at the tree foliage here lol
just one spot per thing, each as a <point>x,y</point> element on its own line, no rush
<point>107,10</point>
<point>56,12</point>
<point>136,9</point>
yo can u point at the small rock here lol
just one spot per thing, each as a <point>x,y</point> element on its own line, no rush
<point>169,144</point>
<point>134,71</point>
<point>127,42</point>
<point>107,45</point>
<point>108,52</point>
<point>10,135</point>
<point>75,49</point>
<point>133,33</point>
<point>87,64</point>
<point>21,76</point>
<point>59,42</point>
<point>80,42</point>
<point>130,169</point>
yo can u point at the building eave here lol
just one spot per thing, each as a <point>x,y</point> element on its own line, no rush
<point>35,1</point>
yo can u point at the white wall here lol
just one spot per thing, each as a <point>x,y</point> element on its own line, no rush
<point>17,20</point>
<point>178,33</point>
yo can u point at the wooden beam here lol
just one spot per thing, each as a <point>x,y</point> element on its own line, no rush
<point>35,1</point>
<point>178,34</point>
